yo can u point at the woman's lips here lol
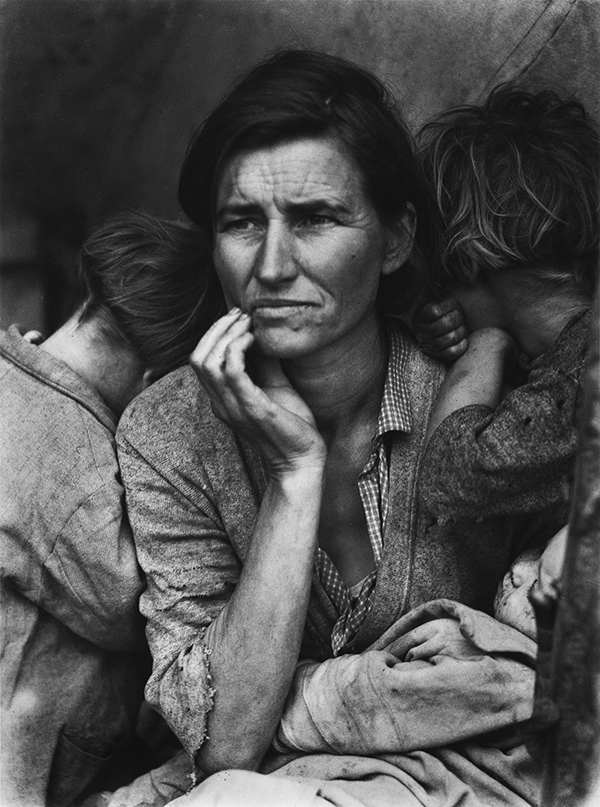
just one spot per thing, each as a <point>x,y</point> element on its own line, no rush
<point>279,309</point>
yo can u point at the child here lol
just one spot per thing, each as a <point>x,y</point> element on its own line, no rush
<point>74,657</point>
<point>517,185</point>
<point>532,573</point>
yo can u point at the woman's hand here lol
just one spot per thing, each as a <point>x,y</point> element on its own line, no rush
<point>440,329</point>
<point>270,414</point>
<point>438,637</point>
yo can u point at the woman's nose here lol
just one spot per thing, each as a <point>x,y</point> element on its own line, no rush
<point>275,261</point>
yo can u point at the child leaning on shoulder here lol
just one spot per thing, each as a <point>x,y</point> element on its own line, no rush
<point>516,181</point>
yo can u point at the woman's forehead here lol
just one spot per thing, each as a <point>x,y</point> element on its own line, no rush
<point>300,170</point>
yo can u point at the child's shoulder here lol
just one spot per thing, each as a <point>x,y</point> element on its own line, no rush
<point>570,349</point>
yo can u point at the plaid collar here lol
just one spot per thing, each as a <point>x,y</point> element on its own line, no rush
<point>395,414</point>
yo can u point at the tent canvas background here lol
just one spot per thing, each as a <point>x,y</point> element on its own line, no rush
<point>98,97</point>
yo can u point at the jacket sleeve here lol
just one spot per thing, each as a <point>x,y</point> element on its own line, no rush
<point>449,674</point>
<point>191,572</point>
<point>514,460</point>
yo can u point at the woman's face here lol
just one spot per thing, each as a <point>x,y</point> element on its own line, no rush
<point>299,246</point>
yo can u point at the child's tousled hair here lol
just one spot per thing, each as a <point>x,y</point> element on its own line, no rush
<point>516,180</point>
<point>147,281</point>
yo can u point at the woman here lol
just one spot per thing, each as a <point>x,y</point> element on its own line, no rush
<point>286,528</point>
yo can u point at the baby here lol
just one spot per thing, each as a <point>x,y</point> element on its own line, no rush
<point>534,573</point>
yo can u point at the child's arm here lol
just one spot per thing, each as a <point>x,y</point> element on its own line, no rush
<point>440,329</point>
<point>515,458</point>
<point>477,376</point>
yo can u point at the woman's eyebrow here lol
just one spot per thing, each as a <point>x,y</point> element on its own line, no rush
<point>238,209</point>
<point>314,205</point>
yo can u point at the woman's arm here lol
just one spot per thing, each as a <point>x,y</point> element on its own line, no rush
<point>458,675</point>
<point>255,641</point>
<point>249,651</point>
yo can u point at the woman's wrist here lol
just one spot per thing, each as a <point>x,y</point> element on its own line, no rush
<point>300,473</point>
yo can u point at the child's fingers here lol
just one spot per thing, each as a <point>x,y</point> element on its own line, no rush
<point>448,338</point>
<point>424,314</point>
<point>431,311</point>
<point>451,354</point>
<point>444,326</point>
<point>445,306</point>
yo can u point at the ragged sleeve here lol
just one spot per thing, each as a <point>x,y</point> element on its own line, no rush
<point>191,572</point>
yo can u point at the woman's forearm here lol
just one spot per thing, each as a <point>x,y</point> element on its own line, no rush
<point>475,378</point>
<point>255,641</point>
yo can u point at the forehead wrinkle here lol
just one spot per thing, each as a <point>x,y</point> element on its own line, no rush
<point>289,179</point>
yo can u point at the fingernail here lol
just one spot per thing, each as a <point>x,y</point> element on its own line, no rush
<point>235,310</point>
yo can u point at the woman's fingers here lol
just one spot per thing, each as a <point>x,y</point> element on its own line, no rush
<point>209,356</point>
<point>270,414</point>
<point>215,334</point>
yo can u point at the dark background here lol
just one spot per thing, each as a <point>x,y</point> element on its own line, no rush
<point>99,97</point>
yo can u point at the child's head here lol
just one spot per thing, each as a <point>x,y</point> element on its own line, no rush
<point>146,281</point>
<point>516,181</point>
<point>533,572</point>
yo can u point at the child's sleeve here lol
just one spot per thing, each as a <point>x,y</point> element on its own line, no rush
<point>513,460</point>
<point>516,459</point>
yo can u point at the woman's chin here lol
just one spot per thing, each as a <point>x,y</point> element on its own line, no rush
<point>278,343</point>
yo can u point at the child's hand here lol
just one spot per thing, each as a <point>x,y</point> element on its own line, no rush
<point>440,329</point>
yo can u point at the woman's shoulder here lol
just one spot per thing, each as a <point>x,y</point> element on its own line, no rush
<point>173,409</point>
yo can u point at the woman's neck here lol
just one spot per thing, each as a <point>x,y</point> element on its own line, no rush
<point>113,370</point>
<point>343,385</point>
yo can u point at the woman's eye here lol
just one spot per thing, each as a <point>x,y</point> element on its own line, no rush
<point>317,220</point>
<point>240,225</point>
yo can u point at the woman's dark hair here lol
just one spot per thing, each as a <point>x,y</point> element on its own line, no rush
<point>303,93</point>
<point>516,180</point>
<point>149,284</point>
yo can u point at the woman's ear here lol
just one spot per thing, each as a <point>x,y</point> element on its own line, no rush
<point>400,239</point>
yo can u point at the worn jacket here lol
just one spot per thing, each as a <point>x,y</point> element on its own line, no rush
<point>73,662</point>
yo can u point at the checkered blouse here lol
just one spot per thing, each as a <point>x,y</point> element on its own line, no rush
<point>394,415</point>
